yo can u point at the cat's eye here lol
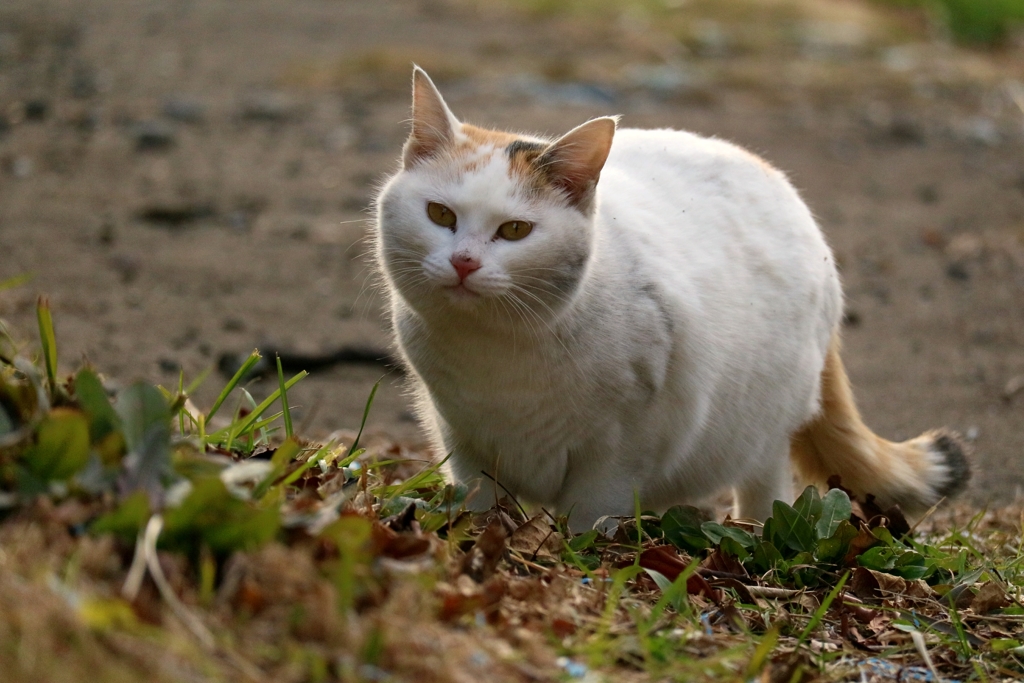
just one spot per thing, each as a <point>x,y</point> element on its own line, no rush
<point>514,230</point>
<point>441,215</point>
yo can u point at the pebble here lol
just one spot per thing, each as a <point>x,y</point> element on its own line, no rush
<point>127,267</point>
<point>184,109</point>
<point>36,109</point>
<point>663,78</point>
<point>982,130</point>
<point>712,40</point>
<point>169,366</point>
<point>175,216</point>
<point>22,167</point>
<point>831,40</point>
<point>574,93</point>
<point>83,82</point>
<point>1014,386</point>
<point>154,135</point>
<point>267,105</point>
<point>958,271</point>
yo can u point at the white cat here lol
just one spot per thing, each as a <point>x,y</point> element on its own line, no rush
<point>669,331</point>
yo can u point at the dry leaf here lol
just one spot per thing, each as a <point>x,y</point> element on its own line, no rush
<point>536,539</point>
<point>990,597</point>
<point>482,559</point>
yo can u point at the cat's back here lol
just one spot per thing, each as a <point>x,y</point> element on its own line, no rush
<point>724,234</point>
<point>691,195</point>
<point>668,162</point>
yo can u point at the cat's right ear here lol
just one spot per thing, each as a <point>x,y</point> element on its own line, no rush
<point>433,124</point>
<point>573,162</point>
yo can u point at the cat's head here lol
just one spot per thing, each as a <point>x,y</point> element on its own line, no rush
<point>485,223</point>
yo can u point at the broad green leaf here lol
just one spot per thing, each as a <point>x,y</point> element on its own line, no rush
<point>681,525</point>
<point>835,509</point>
<point>880,558</point>
<point>733,548</point>
<point>211,515</point>
<point>791,529</point>
<point>62,445</point>
<point>911,566</point>
<point>767,557</point>
<point>127,520</point>
<point>92,398</point>
<point>835,547</point>
<point>885,536</point>
<point>804,570</point>
<point>142,408</point>
<point>716,532</point>
<point>1003,644</point>
<point>583,541</point>
<point>809,504</point>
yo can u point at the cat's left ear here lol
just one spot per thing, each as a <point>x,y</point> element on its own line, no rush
<point>433,124</point>
<point>573,163</point>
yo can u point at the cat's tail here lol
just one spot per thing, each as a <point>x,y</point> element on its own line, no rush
<point>915,474</point>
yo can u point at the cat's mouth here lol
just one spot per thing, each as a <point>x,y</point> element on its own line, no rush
<point>461,292</point>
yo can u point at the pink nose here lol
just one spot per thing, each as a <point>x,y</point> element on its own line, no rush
<point>464,265</point>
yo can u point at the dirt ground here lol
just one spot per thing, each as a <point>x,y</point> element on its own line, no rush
<point>186,179</point>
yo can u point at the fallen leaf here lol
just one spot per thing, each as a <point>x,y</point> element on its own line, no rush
<point>990,597</point>
<point>536,539</point>
<point>482,559</point>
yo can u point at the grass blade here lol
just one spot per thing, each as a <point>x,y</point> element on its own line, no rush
<point>16,281</point>
<point>181,411</point>
<point>253,358</point>
<point>48,340</point>
<point>366,413</point>
<point>239,428</point>
<point>284,401</point>
<point>819,613</point>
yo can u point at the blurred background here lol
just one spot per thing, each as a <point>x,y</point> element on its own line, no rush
<point>190,178</point>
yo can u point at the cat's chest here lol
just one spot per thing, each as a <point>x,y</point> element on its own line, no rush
<point>506,386</point>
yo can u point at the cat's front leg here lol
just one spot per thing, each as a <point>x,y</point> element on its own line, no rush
<point>597,493</point>
<point>770,479</point>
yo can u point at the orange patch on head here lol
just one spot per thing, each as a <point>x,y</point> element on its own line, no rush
<point>521,153</point>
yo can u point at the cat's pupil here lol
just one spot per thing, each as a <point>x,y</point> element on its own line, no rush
<point>441,215</point>
<point>514,230</point>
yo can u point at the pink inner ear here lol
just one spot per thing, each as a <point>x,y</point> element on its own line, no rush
<point>573,163</point>
<point>433,123</point>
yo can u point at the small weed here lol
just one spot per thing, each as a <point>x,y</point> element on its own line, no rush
<point>329,562</point>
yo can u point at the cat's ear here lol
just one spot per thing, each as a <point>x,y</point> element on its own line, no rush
<point>433,124</point>
<point>573,163</point>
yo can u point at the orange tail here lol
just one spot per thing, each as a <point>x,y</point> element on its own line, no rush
<point>915,474</point>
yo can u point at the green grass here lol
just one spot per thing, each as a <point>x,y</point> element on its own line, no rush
<point>139,539</point>
<point>978,22</point>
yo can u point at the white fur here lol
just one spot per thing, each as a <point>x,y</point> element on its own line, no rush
<point>674,362</point>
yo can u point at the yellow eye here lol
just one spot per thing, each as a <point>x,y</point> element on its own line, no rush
<point>514,230</point>
<point>441,215</point>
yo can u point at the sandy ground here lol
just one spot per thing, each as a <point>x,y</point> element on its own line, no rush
<point>185,178</point>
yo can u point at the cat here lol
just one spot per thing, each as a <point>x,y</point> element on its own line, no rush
<point>620,313</point>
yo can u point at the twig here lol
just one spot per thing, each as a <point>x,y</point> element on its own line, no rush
<point>191,621</point>
<point>137,572</point>
<point>922,650</point>
<point>773,593</point>
<point>510,494</point>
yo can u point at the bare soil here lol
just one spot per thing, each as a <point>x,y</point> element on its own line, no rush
<point>185,179</point>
